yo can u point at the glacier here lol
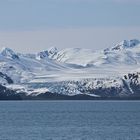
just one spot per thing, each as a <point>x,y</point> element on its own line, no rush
<point>112,72</point>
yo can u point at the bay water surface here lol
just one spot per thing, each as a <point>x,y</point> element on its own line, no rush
<point>69,120</point>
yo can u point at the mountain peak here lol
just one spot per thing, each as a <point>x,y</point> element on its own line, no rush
<point>126,44</point>
<point>4,49</point>
<point>7,52</point>
<point>52,51</point>
<point>48,53</point>
<point>42,55</point>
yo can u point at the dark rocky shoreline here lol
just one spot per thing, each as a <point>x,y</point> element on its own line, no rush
<point>54,96</point>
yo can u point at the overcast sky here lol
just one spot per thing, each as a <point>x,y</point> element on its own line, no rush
<point>35,25</point>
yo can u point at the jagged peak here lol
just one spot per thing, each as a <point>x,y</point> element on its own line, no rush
<point>42,55</point>
<point>126,44</point>
<point>47,53</point>
<point>52,50</point>
<point>134,42</point>
<point>5,49</point>
<point>7,52</point>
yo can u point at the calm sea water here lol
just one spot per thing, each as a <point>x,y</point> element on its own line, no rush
<point>69,120</point>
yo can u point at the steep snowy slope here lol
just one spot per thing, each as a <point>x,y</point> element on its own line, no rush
<point>22,68</point>
<point>124,53</point>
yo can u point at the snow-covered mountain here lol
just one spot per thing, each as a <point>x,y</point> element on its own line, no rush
<point>126,52</point>
<point>73,71</point>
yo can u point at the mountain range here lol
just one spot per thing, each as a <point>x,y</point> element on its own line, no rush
<point>72,73</point>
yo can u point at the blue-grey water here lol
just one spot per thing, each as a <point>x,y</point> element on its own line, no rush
<point>69,120</point>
